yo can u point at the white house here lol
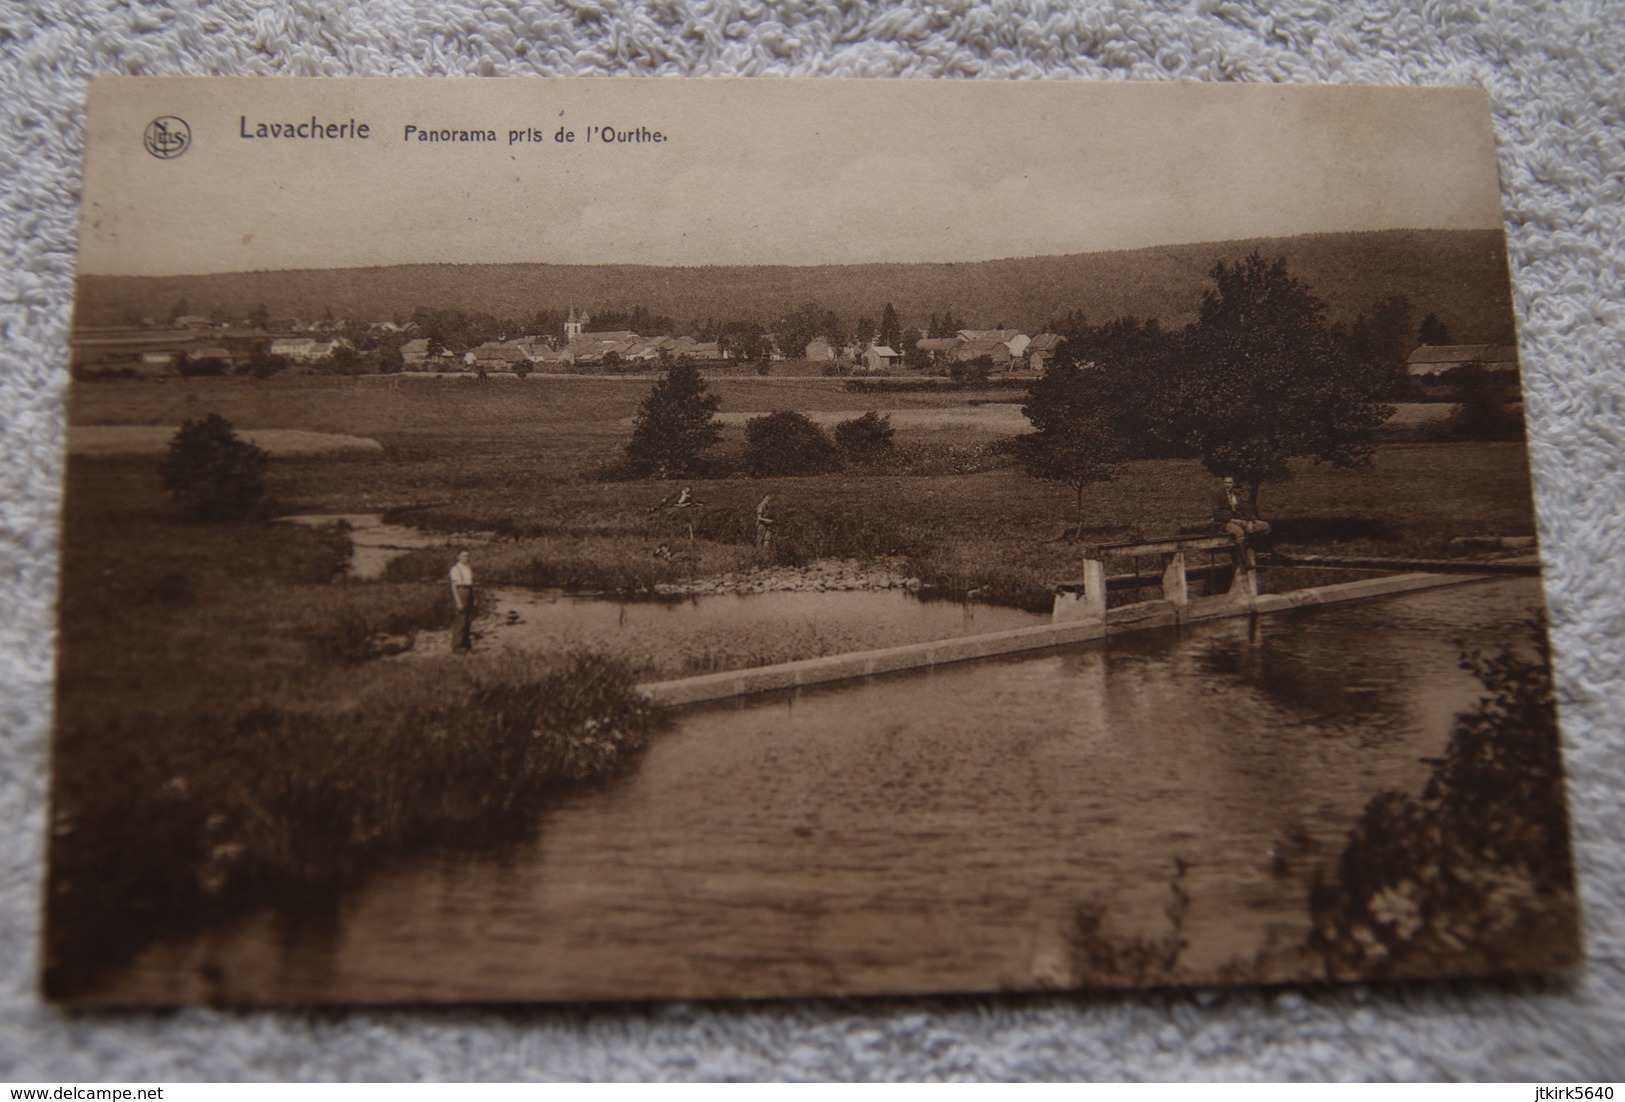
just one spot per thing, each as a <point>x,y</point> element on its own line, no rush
<point>293,348</point>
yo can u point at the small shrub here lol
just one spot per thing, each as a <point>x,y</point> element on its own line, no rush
<point>210,367</point>
<point>211,473</point>
<point>787,444</point>
<point>866,437</point>
<point>261,364</point>
<point>347,628</point>
<point>1484,405</point>
<point>971,371</point>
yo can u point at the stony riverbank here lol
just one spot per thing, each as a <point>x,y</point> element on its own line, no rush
<point>826,575</point>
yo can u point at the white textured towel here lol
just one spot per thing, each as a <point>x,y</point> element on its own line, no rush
<point>1553,73</point>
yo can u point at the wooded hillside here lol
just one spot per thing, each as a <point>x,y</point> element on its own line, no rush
<point>1459,275</point>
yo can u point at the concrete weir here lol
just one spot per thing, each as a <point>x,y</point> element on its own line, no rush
<point>1079,618</point>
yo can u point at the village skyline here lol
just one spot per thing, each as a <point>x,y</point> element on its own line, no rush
<point>1459,274</point>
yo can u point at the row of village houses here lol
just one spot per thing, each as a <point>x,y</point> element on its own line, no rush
<point>586,349</point>
<point>1007,349</point>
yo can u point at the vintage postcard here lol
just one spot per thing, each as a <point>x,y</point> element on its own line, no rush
<point>641,539</point>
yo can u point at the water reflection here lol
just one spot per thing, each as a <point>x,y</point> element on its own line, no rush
<point>373,543</point>
<point>937,830</point>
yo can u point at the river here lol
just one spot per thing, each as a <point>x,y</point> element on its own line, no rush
<point>940,830</point>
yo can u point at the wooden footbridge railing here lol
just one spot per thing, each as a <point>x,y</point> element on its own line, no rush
<point>1229,573</point>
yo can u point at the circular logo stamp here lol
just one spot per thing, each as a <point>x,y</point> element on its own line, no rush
<point>168,137</point>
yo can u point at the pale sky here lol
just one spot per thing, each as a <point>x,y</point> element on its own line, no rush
<point>763,171</point>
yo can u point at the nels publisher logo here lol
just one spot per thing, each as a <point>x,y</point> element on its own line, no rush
<point>168,137</point>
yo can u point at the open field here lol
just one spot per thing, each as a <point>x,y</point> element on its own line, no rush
<point>153,439</point>
<point>522,459</point>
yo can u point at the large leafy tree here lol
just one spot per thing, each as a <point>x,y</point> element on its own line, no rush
<point>1381,343</point>
<point>1078,439</point>
<point>1261,381</point>
<point>799,328</point>
<point>675,424</point>
<point>744,340</point>
<point>1137,363</point>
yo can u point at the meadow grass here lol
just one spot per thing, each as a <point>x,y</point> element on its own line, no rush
<point>524,460</point>
<point>520,457</point>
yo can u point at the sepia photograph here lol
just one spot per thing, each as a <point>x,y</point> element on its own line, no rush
<point>652,539</point>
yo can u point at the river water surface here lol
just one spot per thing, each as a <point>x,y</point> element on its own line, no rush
<point>932,831</point>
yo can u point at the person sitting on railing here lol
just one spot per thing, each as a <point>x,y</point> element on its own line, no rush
<point>1250,533</point>
<point>1226,506</point>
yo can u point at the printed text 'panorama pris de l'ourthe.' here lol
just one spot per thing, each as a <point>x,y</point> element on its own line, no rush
<point>317,129</point>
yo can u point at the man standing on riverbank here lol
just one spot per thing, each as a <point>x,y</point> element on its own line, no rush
<point>764,522</point>
<point>462,595</point>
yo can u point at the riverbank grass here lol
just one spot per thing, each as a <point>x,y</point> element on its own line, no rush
<point>224,743</point>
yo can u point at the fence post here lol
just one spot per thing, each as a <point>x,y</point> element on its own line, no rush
<point>1094,589</point>
<point>1089,603</point>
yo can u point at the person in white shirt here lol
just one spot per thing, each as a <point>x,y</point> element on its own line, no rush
<point>462,595</point>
